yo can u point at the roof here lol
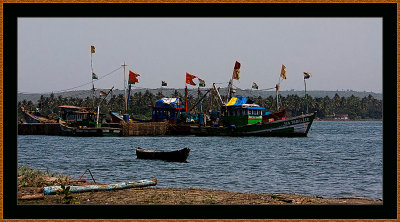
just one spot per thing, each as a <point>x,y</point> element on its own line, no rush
<point>239,100</point>
<point>242,102</point>
<point>169,103</point>
<point>73,107</point>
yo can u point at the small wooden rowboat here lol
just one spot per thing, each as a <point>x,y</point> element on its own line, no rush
<point>175,156</point>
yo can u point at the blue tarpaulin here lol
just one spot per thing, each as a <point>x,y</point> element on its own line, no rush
<point>169,102</point>
<point>239,102</point>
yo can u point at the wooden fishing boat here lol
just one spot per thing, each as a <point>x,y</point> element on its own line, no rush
<point>298,126</point>
<point>242,117</point>
<point>89,131</point>
<point>175,156</point>
<point>80,121</point>
<point>35,117</point>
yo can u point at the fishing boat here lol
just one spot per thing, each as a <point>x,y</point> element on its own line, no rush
<point>89,131</point>
<point>167,109</point>
<point>117,118</point>
<point>81,121</point>
<point>174,156</point>
<point>35,117</point>
<point>240,116</point>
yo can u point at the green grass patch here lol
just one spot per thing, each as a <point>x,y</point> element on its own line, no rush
<point>28,177</point>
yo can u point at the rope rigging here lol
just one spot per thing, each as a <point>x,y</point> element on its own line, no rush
<point>65,90</point>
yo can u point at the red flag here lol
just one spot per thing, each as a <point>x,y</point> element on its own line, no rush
<point>132,77</point>
<point>236,70</point>
<point>102,93</point>
<point>189,79</point>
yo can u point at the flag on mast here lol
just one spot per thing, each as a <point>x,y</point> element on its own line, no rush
<point>189,79</point>
<point>283,72</point>
<point>94,76</point>
<point>202,83</point>
<point>132,77</point>
<point>254,86</point>
<point>307,75</point>
<point>92,49</point>
<point>236,71</point>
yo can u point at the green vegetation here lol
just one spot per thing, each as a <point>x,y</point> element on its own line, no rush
<point>140,105</point>
<point>28,177</point>
<point>65,194</point>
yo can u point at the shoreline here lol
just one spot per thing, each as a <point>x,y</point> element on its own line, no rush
<point>31,183</point>
<point>193,196</point>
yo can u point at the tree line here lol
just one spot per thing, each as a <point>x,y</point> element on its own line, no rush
<point>140,104</point>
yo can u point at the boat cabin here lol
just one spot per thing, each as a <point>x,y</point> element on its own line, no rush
<point>241,111</point>
<point>78,116</point>
<point>167,109</point>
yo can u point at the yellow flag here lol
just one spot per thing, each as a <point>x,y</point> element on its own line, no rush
<point>92,49</point>
<point>283,72</point>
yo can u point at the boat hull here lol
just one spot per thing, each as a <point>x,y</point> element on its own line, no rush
<point>89,131</point>
<point>173,156</point>
<point>32,117</point>
<point>292,127</point>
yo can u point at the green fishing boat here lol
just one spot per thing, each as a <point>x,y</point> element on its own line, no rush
<point>242,117</point>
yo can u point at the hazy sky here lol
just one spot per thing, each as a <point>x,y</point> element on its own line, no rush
<point>341,53</point>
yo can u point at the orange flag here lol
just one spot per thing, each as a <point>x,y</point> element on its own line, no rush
<point>283,72</point>
<point>132,77</point>
<point>236,70</point>
<point>189,79</point>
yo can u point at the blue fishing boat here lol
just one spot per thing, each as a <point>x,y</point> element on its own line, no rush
<point>167,109</point>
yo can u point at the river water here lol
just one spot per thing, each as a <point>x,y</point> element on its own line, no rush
<point>337,159</point>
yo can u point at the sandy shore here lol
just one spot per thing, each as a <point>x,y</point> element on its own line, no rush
<point>178,196</point>
<point>31,183</point>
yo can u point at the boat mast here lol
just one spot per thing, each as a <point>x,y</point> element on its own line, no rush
<point>199,95</point>
<point>283,76</point>
<point>92,50</point>
<point>229,90</point>
<point>305,92</point>
<point>235,75</point>
<point>277,94</point>
<point>306,76</point>
<point>221,103</point>
<point>186,94</point>
<point>126,107</point>
<point>98,107</point>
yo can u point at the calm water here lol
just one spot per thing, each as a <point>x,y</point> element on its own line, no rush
<point>336,159</point>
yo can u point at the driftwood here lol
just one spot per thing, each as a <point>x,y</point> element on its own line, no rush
<point>31,196</point>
